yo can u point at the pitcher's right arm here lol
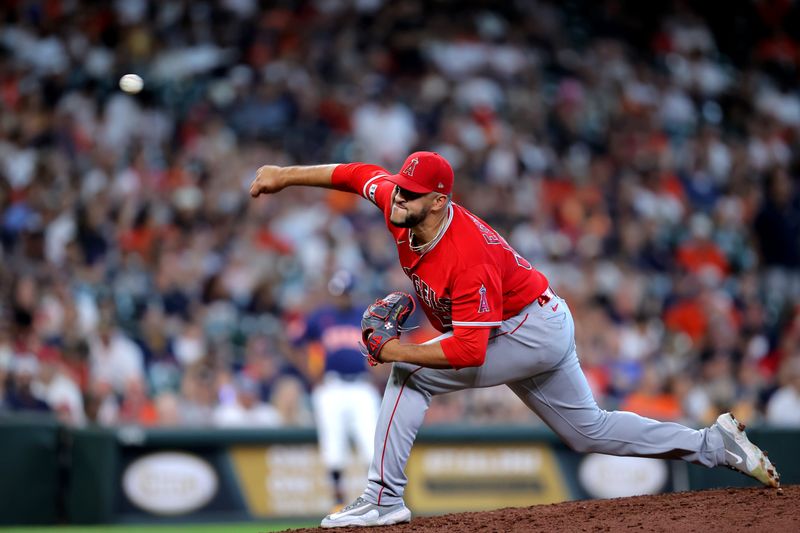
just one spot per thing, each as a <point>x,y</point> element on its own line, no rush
<point>271,179</point>
<point>363,179</point>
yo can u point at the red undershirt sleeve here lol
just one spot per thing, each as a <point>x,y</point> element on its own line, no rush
<point>365,180</point>
<point>467,346</point>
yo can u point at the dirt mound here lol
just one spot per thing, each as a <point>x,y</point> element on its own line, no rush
<point>728,510</point>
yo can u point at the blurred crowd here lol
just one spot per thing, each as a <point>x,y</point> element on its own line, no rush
<point>644,157</point>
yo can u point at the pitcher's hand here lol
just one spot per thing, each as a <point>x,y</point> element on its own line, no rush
<point>267,181</point>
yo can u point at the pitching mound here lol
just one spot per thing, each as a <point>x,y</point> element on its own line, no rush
<point>719,510</point>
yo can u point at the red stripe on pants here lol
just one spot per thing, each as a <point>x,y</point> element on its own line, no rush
<point>391,419</point>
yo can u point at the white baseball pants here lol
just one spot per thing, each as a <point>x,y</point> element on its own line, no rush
<point>343,410</point>
<point>533,354</point>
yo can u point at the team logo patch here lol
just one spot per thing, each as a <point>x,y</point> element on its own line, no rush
<point>483,306</point>
<point>372,189</point>
<point>412,166</point>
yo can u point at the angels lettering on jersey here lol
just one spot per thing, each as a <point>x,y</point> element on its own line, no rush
<point>442,307</point>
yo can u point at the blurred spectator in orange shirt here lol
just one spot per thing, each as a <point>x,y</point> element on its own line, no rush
<point>137,408</point>
<point>652,398</point>
<point>699,254</point>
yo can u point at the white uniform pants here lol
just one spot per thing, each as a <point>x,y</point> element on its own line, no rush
<point>533,354</point>
<point>345,410</point>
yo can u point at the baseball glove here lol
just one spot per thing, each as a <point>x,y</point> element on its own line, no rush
<point>383,321</point>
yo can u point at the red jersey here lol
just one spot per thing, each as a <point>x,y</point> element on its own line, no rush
<point>470,278</point>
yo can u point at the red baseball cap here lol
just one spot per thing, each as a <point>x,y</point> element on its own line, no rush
<point>425,172</point>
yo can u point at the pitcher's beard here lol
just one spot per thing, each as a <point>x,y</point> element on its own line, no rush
<point>411,220</point>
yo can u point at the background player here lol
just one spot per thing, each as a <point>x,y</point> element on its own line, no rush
<point>504,326</point>
<point>345,402</point>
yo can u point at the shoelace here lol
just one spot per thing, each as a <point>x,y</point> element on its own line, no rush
<point>355,504</point>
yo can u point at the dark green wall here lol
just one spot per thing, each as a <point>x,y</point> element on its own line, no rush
<point>50,474</point>
<point>30,473</point>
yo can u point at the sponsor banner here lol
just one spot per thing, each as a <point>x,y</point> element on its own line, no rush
<point>607,476</point>
<point>170,483</point>
<point>290,480</point>
<point>155,483</point>
<point>446,478</point>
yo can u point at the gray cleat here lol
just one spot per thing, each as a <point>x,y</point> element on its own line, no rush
<point>744,456</point>
<point>363,513</point>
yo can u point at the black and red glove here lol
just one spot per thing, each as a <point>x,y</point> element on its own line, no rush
<point>383,321</point>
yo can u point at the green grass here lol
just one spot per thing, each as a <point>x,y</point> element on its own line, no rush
<point>240,527</point>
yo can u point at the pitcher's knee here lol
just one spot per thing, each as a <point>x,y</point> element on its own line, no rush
<point>401,372</point>
<point>408,376</point>
<point>588,436</point>
<point>584,444</point>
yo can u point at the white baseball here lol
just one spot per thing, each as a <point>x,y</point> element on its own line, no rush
<point>131,83</point>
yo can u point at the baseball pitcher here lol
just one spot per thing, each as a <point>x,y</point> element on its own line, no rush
<point>501,324</point>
